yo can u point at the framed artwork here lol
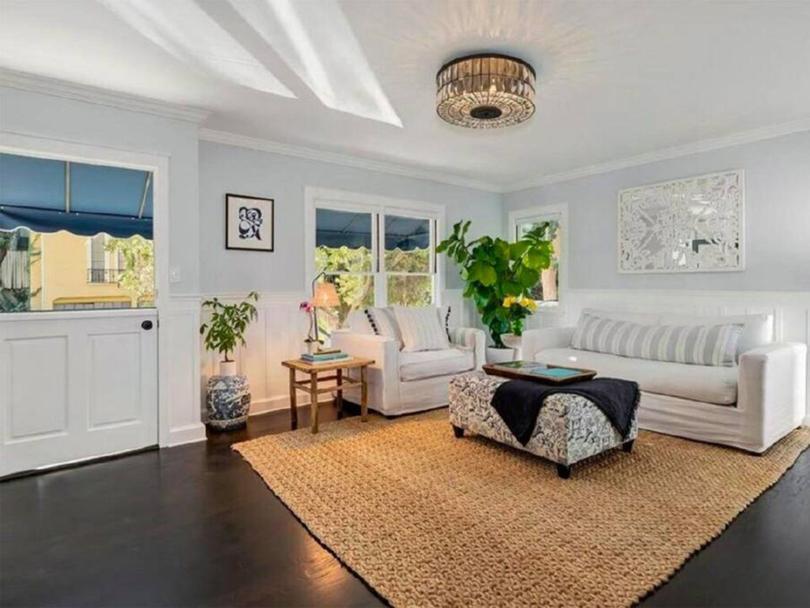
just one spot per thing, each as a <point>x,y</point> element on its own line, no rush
<point>687,225</point>
<point>248,223</point>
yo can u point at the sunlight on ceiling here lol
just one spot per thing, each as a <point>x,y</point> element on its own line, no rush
<point>185,31</point>
<point>316,41</point>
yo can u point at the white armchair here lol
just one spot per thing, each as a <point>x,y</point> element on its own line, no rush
<point>404,382</point>
<point>750,406</point>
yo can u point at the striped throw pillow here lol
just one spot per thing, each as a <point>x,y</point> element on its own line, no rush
<point>420,328</point>
<point>383,323</point>
<point>714,345</point>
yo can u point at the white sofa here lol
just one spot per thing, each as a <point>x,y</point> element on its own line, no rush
<point>405,382</point>
<point>749,406</point>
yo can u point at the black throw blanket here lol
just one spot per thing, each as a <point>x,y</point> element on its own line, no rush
<point>518,402</point>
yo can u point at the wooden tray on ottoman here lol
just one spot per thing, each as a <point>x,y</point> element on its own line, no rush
<point>528,370</point>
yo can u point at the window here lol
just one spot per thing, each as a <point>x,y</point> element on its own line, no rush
<point>344,250</point>
<point>106,261</point>
<point>55,248</point>
<point>376,255</point>
<point>553,221</point>
<point>408,261</point>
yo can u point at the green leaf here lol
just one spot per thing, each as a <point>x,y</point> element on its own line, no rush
<point>511,288</point>
<point>516,250</point>
<point>528,277</point>
<point>537,258</point>
<point>487,275</point>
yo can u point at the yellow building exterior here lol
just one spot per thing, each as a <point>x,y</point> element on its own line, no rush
<point>67,273</point>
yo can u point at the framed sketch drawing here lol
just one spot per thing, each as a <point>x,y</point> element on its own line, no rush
<point>248,223</point>
<point>687,225</point>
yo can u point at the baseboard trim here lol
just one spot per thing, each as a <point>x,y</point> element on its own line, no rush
<point>275,404</point>
<point>191,433</point>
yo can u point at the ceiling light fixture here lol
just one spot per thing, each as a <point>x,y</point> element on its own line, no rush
<point>485,91</point>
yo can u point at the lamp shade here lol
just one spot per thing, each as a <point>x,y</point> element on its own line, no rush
<point>325,295</point>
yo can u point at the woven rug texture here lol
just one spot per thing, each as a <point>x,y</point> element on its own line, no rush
<point>430,520</point>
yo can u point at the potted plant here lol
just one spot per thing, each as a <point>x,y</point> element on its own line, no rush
<point>499,277</point>
<point>227,328</point>
<point>228,394</point>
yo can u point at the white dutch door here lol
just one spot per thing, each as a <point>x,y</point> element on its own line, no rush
<point>78,324</point>
<point>76,385</point>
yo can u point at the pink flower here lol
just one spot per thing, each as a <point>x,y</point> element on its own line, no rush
<point>305,306</point>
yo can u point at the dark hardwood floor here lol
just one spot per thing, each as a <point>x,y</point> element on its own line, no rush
<point>194,526</point>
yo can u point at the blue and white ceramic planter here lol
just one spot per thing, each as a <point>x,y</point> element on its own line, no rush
<point>227,402</point>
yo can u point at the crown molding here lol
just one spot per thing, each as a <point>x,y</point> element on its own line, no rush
<point>90,94</point>
<point>346,160</point>
<point>705,145</point>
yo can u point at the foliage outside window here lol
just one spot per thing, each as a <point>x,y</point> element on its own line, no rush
<point>19,250</point>
<point>402,273</point>
<point>408,261</point>
<point>547,288</point>
<point>136,267</point>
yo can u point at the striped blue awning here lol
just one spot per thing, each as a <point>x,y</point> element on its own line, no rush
<point>50,195</point>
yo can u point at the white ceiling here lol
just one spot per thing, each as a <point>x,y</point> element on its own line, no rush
<point>616,79</point>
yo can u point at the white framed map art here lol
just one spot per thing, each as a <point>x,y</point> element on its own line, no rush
<point>686,225</point>
<point>248,223</point>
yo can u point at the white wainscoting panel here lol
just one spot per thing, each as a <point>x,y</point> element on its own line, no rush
<point>279,334</point>
<point>180,371</point>
<point>789,310</point>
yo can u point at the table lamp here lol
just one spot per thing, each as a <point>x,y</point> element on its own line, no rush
<point>324,295</point>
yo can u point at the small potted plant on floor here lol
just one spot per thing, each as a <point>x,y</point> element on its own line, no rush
<point>228,394</point>
<point>499,277</point>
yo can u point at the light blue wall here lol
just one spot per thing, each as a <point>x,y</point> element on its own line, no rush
<point>77,121</point>
<point>777,210</point>
<point>777,201</point>
<point>238,170</point>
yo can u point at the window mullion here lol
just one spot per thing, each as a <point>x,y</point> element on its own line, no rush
<point>380,279</point>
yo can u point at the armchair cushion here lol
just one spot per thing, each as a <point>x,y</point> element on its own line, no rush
<point>421,328</point>
<point>435,363</point>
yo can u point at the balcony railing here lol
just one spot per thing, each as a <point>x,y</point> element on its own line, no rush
<point>103,275</point>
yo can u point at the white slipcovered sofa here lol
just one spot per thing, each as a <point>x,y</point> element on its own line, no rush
<point>405,382</point>
<point>749,406</point>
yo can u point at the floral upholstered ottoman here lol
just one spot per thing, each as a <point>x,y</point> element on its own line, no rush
<point>569,428</point>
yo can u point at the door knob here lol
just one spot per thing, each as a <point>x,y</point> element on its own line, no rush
<point>147,325</point>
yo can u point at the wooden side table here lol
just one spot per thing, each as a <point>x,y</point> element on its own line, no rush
<point>312,385</point>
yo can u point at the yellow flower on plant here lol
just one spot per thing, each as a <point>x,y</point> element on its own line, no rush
<point>521,301</point>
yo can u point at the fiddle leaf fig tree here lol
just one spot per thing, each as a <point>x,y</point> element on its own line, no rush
<point>228,323</point>
<point>500,275</point>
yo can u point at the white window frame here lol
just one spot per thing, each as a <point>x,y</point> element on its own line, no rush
<point>358,202</point>
<point>557,212</point>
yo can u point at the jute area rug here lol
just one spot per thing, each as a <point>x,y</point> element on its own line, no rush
<point>430,520</point>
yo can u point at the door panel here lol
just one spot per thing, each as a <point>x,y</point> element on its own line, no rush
<point>115,383</point>
<point>76,385</point>
<point>37,408</point>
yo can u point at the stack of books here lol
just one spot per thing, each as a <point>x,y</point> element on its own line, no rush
<point>324,356</point>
